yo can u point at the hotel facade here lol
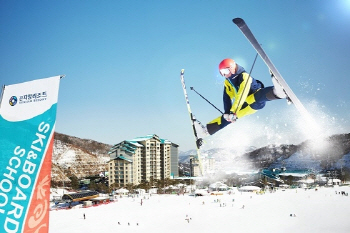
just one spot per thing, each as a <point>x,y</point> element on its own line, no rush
<point>142,159</point>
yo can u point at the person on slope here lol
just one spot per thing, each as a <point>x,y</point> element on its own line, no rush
<point>249,96</point>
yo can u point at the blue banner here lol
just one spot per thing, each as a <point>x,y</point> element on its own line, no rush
<point>27,122</point>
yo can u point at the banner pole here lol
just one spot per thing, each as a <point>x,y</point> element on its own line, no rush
<point>2,94</point>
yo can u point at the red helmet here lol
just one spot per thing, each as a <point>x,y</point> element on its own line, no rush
<point>226,63</point>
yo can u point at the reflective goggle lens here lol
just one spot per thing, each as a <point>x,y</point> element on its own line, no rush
<point>225,71</point>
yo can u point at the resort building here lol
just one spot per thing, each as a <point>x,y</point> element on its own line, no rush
<point>174,160</point>
<point>207,163</point>
<point>142,159</point>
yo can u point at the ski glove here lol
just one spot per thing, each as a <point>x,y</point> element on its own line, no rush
<point>232,117</point>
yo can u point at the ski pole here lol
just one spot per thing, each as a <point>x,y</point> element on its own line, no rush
<point>249,75</point>
<point>251,69</point>
<point>206,100</point>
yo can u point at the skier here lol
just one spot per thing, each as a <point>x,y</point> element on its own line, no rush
<point>249,96</point>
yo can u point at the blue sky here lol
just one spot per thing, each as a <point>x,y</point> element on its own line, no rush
<point>122,61</point>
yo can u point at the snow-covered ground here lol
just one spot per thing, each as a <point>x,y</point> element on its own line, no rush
<point>292,210</point>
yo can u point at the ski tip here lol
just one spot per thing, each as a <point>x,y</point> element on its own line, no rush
<point>238,21</point>
<point>182,71</point>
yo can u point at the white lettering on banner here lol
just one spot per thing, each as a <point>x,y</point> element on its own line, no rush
<point>3,186</point>
<point>17,210</point>
<point>13,228</point>
<point>29,167</point>
<point>10,205</point>
<point>10,174</point>
<point>19,151</point>
<point>42,127</point>
<point>20,196</point>
<point>28,182</point>
<point>3,202</point>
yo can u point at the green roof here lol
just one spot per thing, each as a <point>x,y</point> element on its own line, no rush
<point>122,157</point>
<point>130,146</point>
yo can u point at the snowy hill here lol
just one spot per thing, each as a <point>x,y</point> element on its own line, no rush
<point>318,154</point>
<point>78,157</point>
<point>218,153</point>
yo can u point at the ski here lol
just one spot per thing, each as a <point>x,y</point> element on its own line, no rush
<point>192,118</point>
<point>275,74</point>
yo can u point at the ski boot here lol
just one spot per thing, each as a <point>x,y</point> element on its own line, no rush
<point>201,132</point>
<point>278,90</point>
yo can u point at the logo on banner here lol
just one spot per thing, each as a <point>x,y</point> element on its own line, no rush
<point>13,101</point>
<point>28,98</point>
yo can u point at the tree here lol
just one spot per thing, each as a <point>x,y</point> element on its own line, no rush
<point>54,184</point>
<point>144,185</point>
<point>130,187</point>
<point>344,175</point>
<point>74,182</point>
<point>151,181</point>
<point>168,182</point>
<point>102,188</point>
<point>112,187</point>
<point>92,186</point>
<point>290,180</point>
<point>160,186</point>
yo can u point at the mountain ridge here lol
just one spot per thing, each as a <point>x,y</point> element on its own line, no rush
<point>73,156</point>
<point>331,152</point>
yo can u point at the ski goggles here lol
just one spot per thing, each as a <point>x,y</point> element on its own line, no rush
<point>225,71</point>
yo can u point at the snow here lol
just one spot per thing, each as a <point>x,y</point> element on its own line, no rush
<point>290,210</point>
<point>249,188</point>
<point>300,161</point>
<point>57,192</point>
<point>67,158</point>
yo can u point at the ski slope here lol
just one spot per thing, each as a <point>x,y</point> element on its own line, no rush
<point>321,211</point>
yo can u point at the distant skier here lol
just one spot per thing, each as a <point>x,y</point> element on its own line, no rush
<point>249,96</point>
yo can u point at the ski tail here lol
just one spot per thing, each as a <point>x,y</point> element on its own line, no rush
<point>276,75</point>
<point>251,38</point>
<point>193,119</point>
